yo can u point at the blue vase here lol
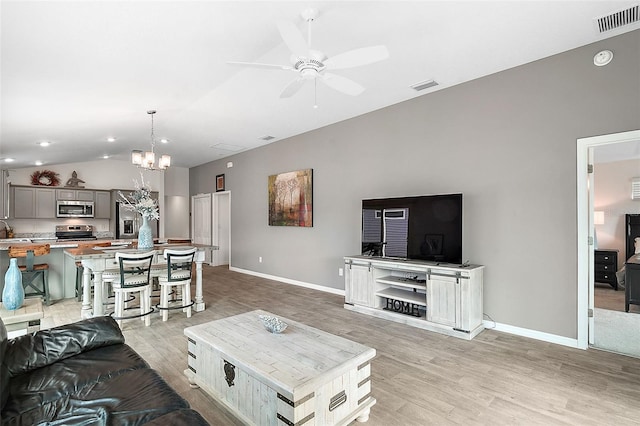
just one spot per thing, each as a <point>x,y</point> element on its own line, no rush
<point>145,238</point>
<point>13,293</point>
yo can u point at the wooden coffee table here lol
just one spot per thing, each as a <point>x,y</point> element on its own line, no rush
<point>23,320</point>
<point>303,376</point>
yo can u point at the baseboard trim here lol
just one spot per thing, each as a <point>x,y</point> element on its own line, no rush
<point>533,334</point>
<point>289,281</point>
<point>488,325</point>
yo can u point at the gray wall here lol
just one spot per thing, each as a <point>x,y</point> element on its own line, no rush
<point>506,141</point>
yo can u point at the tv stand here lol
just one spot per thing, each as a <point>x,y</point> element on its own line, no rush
<point>436,296</point>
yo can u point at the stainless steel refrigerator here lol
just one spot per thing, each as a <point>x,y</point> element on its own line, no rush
<point>127,222</point>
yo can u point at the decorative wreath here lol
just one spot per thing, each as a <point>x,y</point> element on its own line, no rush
<point>45,178</point>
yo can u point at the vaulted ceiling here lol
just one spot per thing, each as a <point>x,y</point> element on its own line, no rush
<point>76,73</point>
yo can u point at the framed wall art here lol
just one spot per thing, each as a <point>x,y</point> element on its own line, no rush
<point>291,198</point>
<point>219,183</point>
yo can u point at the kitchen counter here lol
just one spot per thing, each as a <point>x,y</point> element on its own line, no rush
<point>54,243</point>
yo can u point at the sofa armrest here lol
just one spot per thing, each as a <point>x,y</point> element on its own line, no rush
<point>26,353</point>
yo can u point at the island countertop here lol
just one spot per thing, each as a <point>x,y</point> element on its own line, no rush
<point>54,243</point>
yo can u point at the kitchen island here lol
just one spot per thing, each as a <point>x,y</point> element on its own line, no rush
<point>97,259</point>
<point>62,270</point>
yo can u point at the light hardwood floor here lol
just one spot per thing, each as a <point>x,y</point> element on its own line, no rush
<point>418,377</point>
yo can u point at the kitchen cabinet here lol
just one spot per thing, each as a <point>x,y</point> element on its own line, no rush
<point>102,205</point>
<point>75,194</point>
<point>33,202</point>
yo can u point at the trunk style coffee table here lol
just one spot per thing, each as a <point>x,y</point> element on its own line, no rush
<point>302,376</point>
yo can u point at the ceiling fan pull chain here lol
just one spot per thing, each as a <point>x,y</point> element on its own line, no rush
<point>315,93</point>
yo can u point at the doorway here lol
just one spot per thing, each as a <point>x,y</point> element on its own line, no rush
<point>587,313</point>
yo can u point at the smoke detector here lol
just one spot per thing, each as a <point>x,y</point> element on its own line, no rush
<point>602,58</point>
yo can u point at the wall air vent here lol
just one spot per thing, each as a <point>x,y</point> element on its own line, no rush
<point>635,188</point>
<point>424,85</point>
<point>618,19</point>
<point>267,138</point>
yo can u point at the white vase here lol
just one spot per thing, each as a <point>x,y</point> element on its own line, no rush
<point>13,293</point>
<point>145,237</point>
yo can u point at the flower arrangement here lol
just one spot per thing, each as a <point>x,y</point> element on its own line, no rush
<point>140,201</point>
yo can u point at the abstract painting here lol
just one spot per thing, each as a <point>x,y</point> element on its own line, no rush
<point>291,198</point>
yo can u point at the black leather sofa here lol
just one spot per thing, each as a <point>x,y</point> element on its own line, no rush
<point>84,374</point>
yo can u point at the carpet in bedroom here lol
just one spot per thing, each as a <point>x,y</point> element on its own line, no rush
<point>617,331</point>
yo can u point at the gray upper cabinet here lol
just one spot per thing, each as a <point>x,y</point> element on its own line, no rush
<point>33,203</point>
<point>103,205</point>
<point>75,194</point>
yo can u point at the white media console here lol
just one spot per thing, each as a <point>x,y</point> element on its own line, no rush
<point>441,297</point>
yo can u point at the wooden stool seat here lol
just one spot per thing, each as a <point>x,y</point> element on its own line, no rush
<point>35,277</point>
<point>178,241</point>
<point>38,267</point>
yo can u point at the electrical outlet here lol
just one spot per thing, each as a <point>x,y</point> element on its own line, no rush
<point>340,271</point>
<point>260,259</point>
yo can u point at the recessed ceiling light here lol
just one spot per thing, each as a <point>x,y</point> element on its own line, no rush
<point>164,140</point>
<point>105,156</point>
<point>38,163</point>
<point>44,143</point>
<point>111,139</point>
<point>9,160</point>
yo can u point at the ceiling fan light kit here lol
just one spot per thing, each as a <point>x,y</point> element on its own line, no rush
<point>312,64</point>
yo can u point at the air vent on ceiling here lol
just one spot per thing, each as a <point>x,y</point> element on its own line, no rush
<point>618,19</point>
<point>267,138</point>
<point>423,85</point>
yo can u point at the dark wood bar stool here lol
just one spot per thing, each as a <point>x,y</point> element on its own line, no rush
<point>35,277</point>
<point>178,241</point>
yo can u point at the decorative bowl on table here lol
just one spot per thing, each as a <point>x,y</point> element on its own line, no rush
<point>273,324</point>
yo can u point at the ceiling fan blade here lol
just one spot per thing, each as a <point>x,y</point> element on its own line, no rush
<point>292,88</point>
<point>342,84</point>
<point>357,57</point>
<point>293,38</point>
<point>259,65</point>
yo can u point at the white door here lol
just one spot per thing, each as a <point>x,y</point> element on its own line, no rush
<point>222,228</point>
<point>201,220</point>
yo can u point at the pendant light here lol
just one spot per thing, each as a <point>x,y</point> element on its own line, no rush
<point>147,159</point>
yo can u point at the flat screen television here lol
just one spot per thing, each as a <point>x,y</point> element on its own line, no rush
<point>426,227</point>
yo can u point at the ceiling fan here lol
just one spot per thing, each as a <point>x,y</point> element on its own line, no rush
<point>312,64</point>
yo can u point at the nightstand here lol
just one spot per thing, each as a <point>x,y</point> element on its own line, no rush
<point>605,266</point>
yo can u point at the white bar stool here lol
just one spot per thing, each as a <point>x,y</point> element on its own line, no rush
<point>134,276</point>
<point>177,273</point>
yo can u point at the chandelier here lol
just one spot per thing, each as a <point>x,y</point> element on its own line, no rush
<point>147,159</point>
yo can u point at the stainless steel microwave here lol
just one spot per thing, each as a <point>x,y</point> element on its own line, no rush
<point>66,208</point>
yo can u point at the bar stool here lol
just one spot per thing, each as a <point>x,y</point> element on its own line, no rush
<point>31,272</point>
<point>178,240</point>
<point>80,268</point>
<point>134,277</point>
<point>178,274</point>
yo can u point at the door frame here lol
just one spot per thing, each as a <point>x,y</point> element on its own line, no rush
<point>586,228</point>
<point>216,223</point>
